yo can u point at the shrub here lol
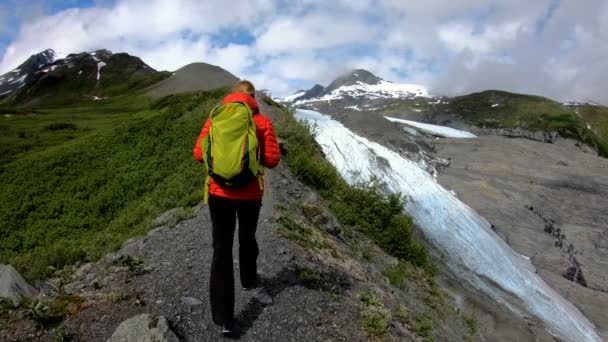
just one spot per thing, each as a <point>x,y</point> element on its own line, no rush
<point>57,126</point>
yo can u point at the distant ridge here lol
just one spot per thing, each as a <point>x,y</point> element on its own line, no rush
<point>193,77</point>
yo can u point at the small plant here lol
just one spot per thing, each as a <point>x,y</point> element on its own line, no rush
<point>6,310</point>
<point>471,323</point>
<point>310,278</point>
<point>118,296</point>
<point>403,313</point>
<point>302,234</point>
<point>397,274</point>
<point>133,264</point>
<point>375,318</point>
<point>61,335</point>
<point>60,126</point>
<point>370,298</point>
<point>423,327</point>
<point>48,313</point>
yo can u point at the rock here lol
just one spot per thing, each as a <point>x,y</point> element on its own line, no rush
<point>190,303</point>
<point>13,286</point>
<point>262,297</point>
<point>144,328</point>
<point>329,223</point>
<point>157,230</point>
<point>168,217</point>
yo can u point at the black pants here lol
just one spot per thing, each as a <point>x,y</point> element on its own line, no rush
<point>224,212</point>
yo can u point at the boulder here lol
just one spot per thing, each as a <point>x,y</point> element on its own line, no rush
<point>144,328</point>
<point>13,286</point>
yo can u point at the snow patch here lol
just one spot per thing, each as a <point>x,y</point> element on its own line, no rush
<point>293,97</point>
<point>100,65</point>
<point>474,252</point>
<point>443,131</point>
<point>495,105</point>
<point>355,107</point>
<point>18,80</point>
<point>6,92</point>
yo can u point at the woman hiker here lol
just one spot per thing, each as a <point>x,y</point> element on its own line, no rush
<point>228,202</point>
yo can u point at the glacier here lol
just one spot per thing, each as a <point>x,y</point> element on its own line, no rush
<point>474,252</point>
<point>446,132</point>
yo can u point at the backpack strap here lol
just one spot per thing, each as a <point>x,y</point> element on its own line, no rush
<point>206,191</point>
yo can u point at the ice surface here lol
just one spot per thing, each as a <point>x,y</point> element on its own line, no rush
<point>443,131</point>
<point>474,252</point>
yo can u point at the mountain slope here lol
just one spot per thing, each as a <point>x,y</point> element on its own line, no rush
<point>193,77</point>
<point>78,77</point>
<point>502,110</point>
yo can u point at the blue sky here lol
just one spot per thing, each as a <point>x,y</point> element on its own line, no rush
<point>556,48</point>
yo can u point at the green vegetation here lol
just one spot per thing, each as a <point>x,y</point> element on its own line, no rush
<point>365,206</point>
<point>133,264</point>
<point>397,273</point>
<point>375,318</point>
<point>597,118</point>
<point>424,327</point>
<point>73,195</point>
<point>49,313</point>
<point>302,234</point>
<point>310,278</point>
<point>499,109</point>
<point>471,323</point>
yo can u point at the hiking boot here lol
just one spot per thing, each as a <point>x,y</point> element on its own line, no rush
<point>228,328</point>
<point>255,285</point>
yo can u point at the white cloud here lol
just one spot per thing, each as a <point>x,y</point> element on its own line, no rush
<point>313,31</point>
<point>454,46</point>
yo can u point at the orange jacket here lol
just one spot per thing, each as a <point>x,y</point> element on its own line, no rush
<point>269,151</point>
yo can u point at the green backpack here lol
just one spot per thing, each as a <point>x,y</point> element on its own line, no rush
<point>231,151</point>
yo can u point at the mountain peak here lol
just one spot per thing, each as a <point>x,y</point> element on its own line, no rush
<point>38,60</point>
<point>354,77</point>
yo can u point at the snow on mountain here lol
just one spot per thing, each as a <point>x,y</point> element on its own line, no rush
<point>474,252</point>
<point>382,90</point>
<point>442,131</point>
<point>16,78</point>
<point>359,84</point>
<point>293,97</point>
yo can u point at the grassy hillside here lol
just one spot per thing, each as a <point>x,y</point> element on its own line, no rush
<point>499,109</point>
<point>597,118</point>
<point>76,182</point>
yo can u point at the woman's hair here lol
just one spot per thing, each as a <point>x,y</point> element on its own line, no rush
<point>246,87</point>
